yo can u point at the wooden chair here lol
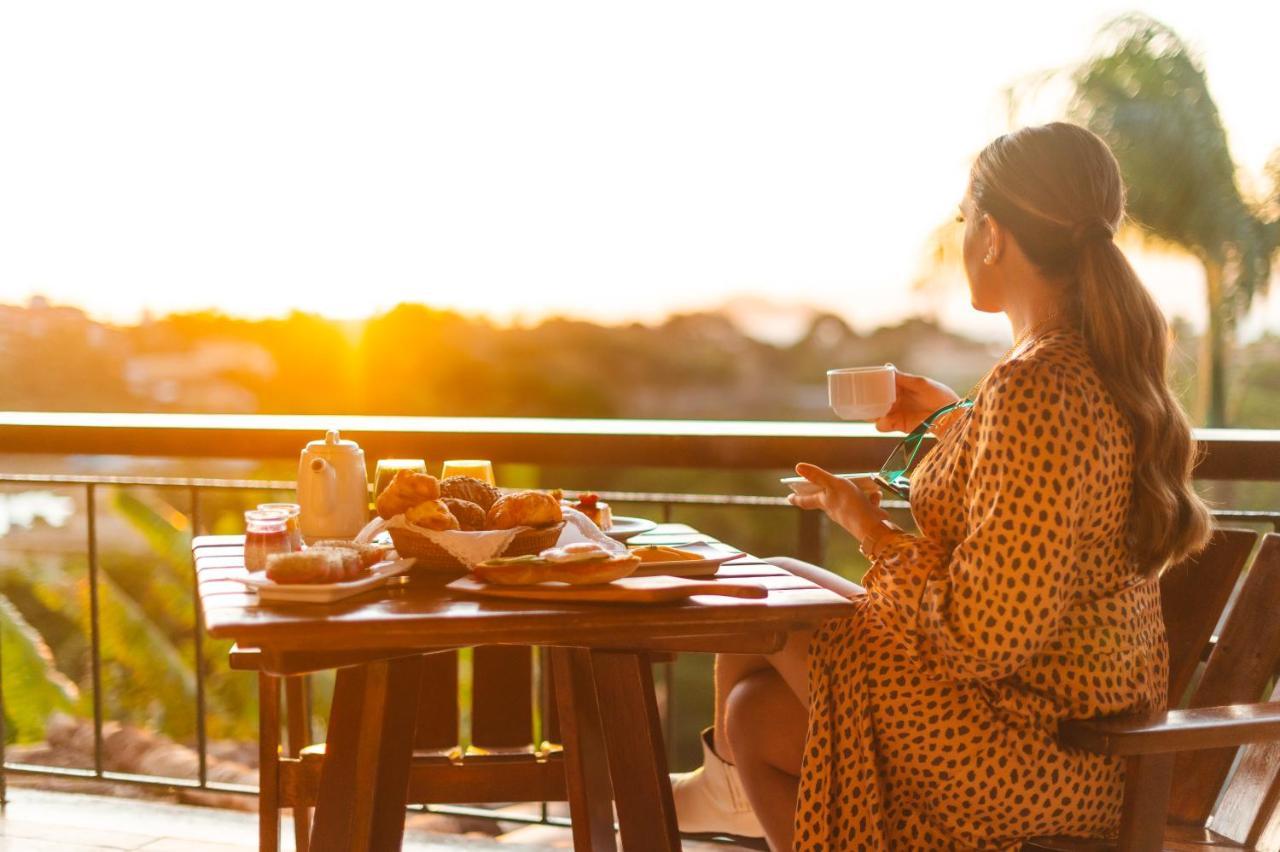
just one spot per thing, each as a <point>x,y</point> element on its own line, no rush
<point>1181,791</point>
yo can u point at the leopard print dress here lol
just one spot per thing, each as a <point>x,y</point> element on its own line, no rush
<point>934,709</point>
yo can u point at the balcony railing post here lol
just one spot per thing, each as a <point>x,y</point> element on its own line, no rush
<point>811,543</point>
<point>95,636</point>
<point>197,638</point>
<point>4,733</point>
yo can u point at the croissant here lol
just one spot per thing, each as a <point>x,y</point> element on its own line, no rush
<point>524,509</point>
<point>405,491</point>
<point>433,515</point>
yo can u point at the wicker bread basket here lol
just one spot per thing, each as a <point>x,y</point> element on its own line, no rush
<point>432,557</point>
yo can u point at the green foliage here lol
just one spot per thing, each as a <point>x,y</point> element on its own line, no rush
<point>34,688</point>
<point>1148,96</point>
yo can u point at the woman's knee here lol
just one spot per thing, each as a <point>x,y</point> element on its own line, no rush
<point>764,721</point>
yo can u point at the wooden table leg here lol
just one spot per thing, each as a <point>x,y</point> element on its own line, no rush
<point>637,754</point>
<point>268,762</point>
<point>297,696</point>
<point>365,780</point>
<point>585,759</point>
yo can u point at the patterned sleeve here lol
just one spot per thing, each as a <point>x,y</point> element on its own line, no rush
<point>981,610</point>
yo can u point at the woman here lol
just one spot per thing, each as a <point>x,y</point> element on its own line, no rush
<point>1046,511</point>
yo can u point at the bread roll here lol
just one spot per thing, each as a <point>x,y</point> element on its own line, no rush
<point>469,488</point>
<point>524,509</point>
<point>405,491</point>
<point>470,515</point>
<point>432,515</point>
<point>308,566</point>
<point>370,554</point>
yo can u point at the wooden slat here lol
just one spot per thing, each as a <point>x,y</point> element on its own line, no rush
<point>1193,594</point>
<point>550,706</point>
<point>1204,728</point>
<point>502,696</point>
<point>438,711</point>
<point>435,779</point>
<point>1241,665</point>
<point>1251,797</point>
<point>1177,838</point>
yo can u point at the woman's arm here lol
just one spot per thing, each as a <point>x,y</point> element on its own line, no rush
<point>981,610</point>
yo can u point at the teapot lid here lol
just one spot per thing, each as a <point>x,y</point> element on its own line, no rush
<point>333,444</point>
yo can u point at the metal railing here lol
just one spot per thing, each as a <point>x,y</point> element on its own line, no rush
<point>1229,455</point>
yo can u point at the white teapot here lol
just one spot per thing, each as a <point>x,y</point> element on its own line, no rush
<point>333,488</point>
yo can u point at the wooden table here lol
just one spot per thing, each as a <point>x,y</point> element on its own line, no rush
<point>600,661</point>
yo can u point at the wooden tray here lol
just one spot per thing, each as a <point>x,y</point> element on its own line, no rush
<point>630,590</point>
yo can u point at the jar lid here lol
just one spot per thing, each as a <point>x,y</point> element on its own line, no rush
<point>270,518</point>
<point>333,444</point>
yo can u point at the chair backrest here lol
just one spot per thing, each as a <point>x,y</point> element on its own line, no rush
<point>1240,670</point>
<point>502,701</point>
<point>1193,595</point>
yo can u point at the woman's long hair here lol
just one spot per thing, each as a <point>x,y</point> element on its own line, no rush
<point>1057,189</point>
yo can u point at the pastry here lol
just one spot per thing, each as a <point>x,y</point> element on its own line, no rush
<point>471,489</point>
<point>370,554</point>
<point>432,515</point>
<point>405,491</point>
<point>470,515</point>
<point>596,509</point>
<point>658,553</point>
<point>522,570</point>
<point>308,566</point>
<point>348,562</point>
<point>524,509</point>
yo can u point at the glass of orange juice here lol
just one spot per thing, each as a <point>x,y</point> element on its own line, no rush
<point>481,469</point>
<point>387,469</point>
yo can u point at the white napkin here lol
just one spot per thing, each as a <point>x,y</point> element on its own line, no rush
<point>578,527</point>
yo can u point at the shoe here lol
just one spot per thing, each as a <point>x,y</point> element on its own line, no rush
<point>710,799</point>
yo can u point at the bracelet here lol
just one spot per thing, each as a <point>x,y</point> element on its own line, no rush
<point>874,542</point>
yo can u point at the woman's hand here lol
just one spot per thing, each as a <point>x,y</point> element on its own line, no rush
<point>917,398</point>
<point>854,505</point>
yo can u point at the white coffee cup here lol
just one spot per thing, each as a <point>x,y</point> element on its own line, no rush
<point>862,393</point>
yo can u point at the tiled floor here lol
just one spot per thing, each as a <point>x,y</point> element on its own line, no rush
<point>43,821</point>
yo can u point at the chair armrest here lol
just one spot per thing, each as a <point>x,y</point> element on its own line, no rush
<point>1176,730</point>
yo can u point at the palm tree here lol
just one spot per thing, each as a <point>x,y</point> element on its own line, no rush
<point>1148,96</point>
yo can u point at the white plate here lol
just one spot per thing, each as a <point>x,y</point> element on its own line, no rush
<point>803,487</point>
<point>378,575</point>
<point>624,528</point>
<point>712,558</point>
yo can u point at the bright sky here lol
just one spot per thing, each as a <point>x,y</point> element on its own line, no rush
<point>616,161</point>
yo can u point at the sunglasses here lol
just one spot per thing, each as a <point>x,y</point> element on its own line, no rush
<point>893,474</point>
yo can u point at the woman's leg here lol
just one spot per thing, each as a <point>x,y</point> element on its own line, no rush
<point>769,765</point>
<point>711,798</point>
<point>731,669</point>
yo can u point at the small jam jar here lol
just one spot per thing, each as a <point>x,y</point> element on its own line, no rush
<point>291,525</point>
<point>265,533</point>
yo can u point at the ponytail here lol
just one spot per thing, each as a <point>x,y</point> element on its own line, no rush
<point>1128,341</point>
<point>1057,189</point>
